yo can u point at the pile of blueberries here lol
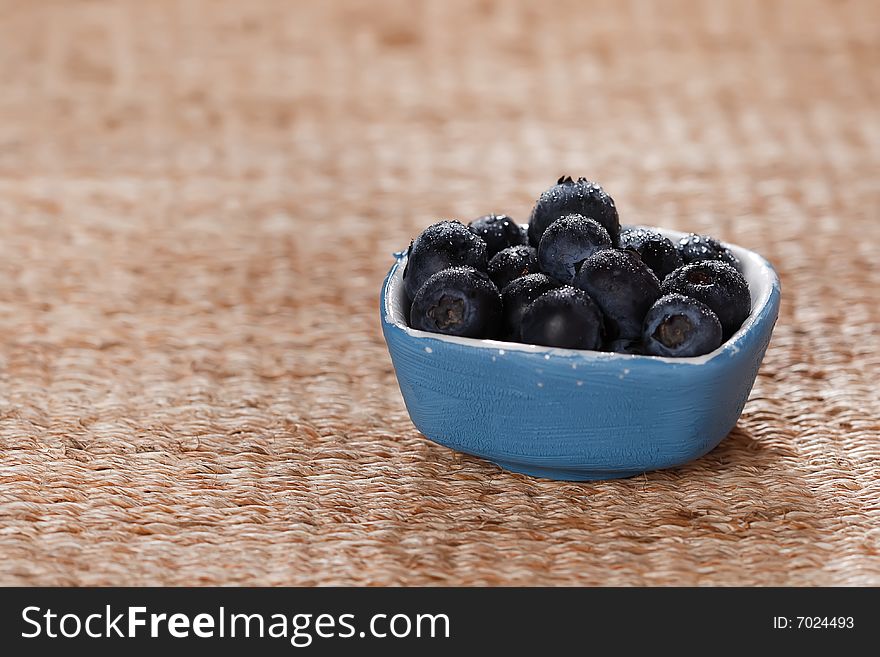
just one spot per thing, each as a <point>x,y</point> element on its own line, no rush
<point>574,279</point>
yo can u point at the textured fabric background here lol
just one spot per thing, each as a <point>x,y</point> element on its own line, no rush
<point>198,203</point>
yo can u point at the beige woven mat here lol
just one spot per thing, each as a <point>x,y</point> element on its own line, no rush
<point>198,202</point>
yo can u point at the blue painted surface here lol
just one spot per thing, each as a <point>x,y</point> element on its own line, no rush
<point>576,415</point>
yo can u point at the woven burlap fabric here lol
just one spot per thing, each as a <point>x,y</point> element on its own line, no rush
<point>199,201</point>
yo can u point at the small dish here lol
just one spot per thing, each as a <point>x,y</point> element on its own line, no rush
<point>577,415</point>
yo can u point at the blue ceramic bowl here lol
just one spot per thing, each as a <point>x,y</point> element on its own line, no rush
<point>571,414</point>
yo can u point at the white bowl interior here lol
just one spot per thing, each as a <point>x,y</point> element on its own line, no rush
<point>757,271</point>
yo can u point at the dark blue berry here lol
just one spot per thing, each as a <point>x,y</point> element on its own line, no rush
<point>498,231</point>
<point>656,251</point>
<point>680,326</point>
<point>623,286</point>
<point>565,317</point>
<point>567,243</point>
<point>512,263</point>
<point>517,296</point>
<point>441,245</point>
<point>573,197</point>
<point>716,284</point>
<point>625,346</point>
<point>457,301</point>
<point>696,248</point>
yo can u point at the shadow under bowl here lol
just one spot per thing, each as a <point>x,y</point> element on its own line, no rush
<point>573,414</point>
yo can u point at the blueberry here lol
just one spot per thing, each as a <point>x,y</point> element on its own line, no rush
<point>680,326</point>
<point>517,296</point>
<point>569,197</point>
<point>441,245</point>
<point>565,317</point>
<point>696,248</point>
<point>716,284</point>
<point>656,251</point>
<point>498,231</point>
<point>512,263</point>
<point>567,243</point>
<point>623,286</point>
<point>625,346</point>
<point>457,301</point>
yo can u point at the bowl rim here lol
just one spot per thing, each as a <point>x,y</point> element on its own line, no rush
<point>759,273</point>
